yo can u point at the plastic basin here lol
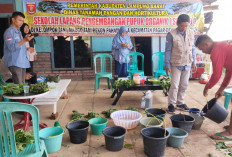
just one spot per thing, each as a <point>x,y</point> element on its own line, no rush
<point>126,118</point>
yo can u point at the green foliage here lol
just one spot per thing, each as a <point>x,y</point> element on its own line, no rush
<point>13,89</point>
<point>128,146</point>
<point>77,116</point>
<point>125,83</point>
<point>92,114</point>
<point>23,138</point>
<point>53,78</point>
<point>220,145</point>
<point>132,109</point>
<point>40,87</point>
<point>107,113</point>
<point>165,83</point>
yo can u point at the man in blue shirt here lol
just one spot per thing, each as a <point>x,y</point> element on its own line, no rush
<point>15,51</point>
<point>179,57</point>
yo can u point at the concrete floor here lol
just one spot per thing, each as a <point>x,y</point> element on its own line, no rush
<point>83,99</point>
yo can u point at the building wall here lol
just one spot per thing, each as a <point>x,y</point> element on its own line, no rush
<point>43,67</point>
<point>99,45</point>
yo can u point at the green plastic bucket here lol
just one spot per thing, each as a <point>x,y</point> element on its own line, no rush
<point>52,137</point>
<point>97,125</point>
<point>176,137</point>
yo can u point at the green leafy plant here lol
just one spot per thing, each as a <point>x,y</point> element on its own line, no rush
<point>13,89</point>
<point>165,83</point>
<point>128,146</point>
<point>132,108</point>
<point>53,78</point>
<point>23,138</point>
<point>40,87</point>
<point>92,114</point>
<point>107,113</point>
<point>125,83</point>
<point>77,116</point>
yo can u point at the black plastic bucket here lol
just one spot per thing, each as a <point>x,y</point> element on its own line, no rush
<point>114,137</point>
<point>198,121</point>
<point>78,131</point>
<point>154,141</point>
<point>182,121</point>
<point>156,112</point>
<point>215,111</point>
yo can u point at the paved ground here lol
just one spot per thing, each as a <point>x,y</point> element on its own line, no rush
<point>83,99</point>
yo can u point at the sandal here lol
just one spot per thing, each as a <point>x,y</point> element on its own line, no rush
<point>218,136</point>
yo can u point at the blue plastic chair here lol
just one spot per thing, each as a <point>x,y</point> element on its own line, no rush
<point>158,56</point>
<point>228,95</point>
<point>103,72</point>
<point>35,149</point>
<point>132,64</point>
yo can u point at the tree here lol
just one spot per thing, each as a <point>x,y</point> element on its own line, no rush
<point>50,6</point>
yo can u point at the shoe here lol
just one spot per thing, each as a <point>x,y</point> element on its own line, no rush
<point>171,108</point>
<point>183,107</point>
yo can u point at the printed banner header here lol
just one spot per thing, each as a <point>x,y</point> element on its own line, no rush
<point>101,18</point>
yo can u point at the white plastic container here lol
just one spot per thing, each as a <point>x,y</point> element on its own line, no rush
<point>126,118</point>
<point>136,79</point>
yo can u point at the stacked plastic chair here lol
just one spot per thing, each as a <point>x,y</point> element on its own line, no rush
<point>103,71</point>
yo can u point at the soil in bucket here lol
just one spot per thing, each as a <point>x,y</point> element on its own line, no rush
<point>177,136</point>
<point>156,112</point>
<point>114,137</point>
<point>151,122</point>
<point>154,141</point>
<point>52,137</point>
<point>215,108</point>
<point>97,125</point>
<point>182,121</point>
<point>78,131</point>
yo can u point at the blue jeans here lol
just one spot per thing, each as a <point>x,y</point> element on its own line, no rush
<point>120,69</point>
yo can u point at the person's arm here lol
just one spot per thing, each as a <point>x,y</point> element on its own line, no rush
<point>130,45</point>
<point>226,79</point>
<point>218,60</point>
<point>115,44</point>
<point>194,67</point>
<point>168,51</point>
<point>224,84</point>
<point>10,42</point>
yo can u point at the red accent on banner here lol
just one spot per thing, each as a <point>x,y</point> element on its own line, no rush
<point>31,8</point>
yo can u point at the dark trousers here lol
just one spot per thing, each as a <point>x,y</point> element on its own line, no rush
<point>120,69</point>
<point>18,74</point>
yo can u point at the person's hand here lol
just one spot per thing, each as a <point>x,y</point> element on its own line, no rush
<point>219,93</point>
<point>205,92</point>
<point>35,57</point>
<point>123,45</point>
<point>194,68</point>
<point>28,76</point>
<point>168,70</point>
<point>31,49</point>
<point>128,45</point>
<point>28,37</point>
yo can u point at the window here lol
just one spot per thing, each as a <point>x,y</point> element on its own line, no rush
<point>82,55</point>
<point>71,52</point>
